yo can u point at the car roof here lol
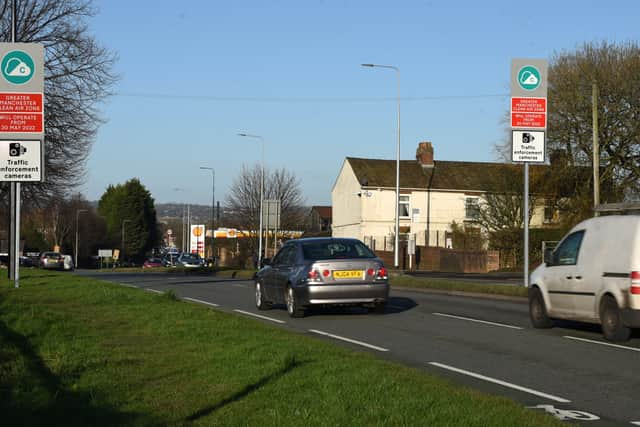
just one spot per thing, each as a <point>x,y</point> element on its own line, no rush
<point>323,239</point>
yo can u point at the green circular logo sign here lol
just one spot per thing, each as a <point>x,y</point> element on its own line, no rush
<point>17,67</point>
<point>529,77</point>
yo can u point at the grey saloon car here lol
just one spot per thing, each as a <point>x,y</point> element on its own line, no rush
<point>322,271</point>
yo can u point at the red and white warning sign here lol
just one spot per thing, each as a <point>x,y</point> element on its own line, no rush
<point>528,113</point>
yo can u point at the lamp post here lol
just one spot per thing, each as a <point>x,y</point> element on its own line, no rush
<point>78,212</point>
<point>124,221</point>
<point>213,201</point>
<point>183,237</point>
<point>397,218</point>
<point>261,193</point>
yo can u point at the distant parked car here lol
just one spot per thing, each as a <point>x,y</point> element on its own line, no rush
<point>25,261</point>
<point>170,260</point>
<point>322,271</point>
<point>152,263</point>
<point>188,260</point>
<point>51,260</point>
<point>67,263</point>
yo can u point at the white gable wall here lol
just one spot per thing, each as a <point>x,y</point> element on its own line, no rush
<point>346,204</point>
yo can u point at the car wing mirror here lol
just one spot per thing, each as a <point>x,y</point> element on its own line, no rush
<point>548,256</point>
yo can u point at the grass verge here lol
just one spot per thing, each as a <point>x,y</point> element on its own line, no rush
<point>76,351</point>
<point>456,286</point>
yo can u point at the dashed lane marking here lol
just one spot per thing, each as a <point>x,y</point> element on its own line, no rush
<point>364,344</point>
<point>624,347</point>
<point>129,285</point>
<point>259,316</point>
<point>477,321</point>
<point>153,290</point>
<point>500,382</point>
<point>201,302</point>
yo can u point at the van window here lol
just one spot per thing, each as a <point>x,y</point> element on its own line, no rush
<point>567,252</point>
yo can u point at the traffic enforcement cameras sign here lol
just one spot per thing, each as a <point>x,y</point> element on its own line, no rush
<point>528,146</point>
<point>20,160</point>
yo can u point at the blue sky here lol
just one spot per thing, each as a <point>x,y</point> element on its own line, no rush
<point>196,73</point>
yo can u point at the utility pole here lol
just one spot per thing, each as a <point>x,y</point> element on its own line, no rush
<point>596,147</point>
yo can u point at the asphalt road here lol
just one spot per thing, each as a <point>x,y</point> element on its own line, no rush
<point>489,345</point>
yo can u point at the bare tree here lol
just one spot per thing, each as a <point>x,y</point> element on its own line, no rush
<point>243,203</point>
<point>78,75</point>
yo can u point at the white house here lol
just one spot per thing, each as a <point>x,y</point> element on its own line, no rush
<point>433,194</point>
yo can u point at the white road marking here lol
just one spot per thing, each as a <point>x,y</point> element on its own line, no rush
<point>635,423</point>
<point>500,382</point>
<point>201,302</point>
<point>602,343</point>
<point>238,285</point>
<point>153,290</point>
<point>128,285</point>
<point>364,344</point>
<point>259,316</point>
<point>477,321</point>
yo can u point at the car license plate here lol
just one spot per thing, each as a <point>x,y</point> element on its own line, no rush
<point>348,274</point>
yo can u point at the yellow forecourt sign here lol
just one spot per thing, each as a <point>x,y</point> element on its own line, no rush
<point>348,274</point>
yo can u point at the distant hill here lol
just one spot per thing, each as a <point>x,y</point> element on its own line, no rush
<point>199,213</point>
<point>166,211</point>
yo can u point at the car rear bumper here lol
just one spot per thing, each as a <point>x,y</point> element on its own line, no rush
<point>631,317</point>
<point>343,294</point>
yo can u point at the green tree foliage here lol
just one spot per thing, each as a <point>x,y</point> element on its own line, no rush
<point>129,206</point>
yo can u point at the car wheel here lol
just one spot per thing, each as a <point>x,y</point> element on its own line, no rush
<point>293,309</point>
<point>612,327</point>
<point>538,311</point>
<point>260,302</point>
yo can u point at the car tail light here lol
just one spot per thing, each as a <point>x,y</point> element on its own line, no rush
<point>382,273</point>
<point>313,275</point>
<point>326,273</point>
<point>635,283</point>
<point>370,272</point>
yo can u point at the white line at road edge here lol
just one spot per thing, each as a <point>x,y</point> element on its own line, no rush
<point>201,302</point>
<point>477,321</point>
<point>502,383</point>
<point>602,343</point>
<point>364,344</point>
<point>154,290</point>
<point>635,423</point>
<point>259,316</point>
<point>128,285</point>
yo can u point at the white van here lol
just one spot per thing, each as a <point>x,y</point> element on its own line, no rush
<point>592,276</point>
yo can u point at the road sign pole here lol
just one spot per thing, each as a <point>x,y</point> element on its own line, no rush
<point>526,225</point>
<point>14,240</point>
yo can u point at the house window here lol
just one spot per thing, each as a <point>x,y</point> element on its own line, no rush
<point>403,207</point>
<point>472,208</point>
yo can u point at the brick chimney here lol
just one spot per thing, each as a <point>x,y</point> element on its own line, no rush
<point>424,154</point>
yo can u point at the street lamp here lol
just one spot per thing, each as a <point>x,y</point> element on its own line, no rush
<point>124,221</point>
<point>183,238</point>
<point>78,212</point>
<point>213,200</point>
<point>397,218</point>
<point>261,193</point>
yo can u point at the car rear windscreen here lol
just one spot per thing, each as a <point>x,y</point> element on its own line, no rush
<point>340,249</point>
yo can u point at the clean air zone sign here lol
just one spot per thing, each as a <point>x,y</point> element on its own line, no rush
<point>528,109</point>
<point>21,111</point>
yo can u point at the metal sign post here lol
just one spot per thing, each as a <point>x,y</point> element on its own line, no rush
<point>528,124</point>
<point>21,129</point>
